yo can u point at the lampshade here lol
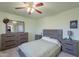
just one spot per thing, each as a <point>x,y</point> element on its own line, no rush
<point>70,33</point>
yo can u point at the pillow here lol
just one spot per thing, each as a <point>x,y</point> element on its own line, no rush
<point>45,38</point>
<point>52,40</point>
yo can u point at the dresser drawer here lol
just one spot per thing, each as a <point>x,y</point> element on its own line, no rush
<point>22,41</point>
<point>23,37</point>
<point>10,42</point>
<point>8,38</point>
<point>7,35</point>
<point>8,46</point>
<point>23,34</point>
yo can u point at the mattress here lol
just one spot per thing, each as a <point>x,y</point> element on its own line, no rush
<point>39,48</point>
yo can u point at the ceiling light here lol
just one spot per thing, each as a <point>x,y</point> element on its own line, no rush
<point>31,7</point>
<point>30,10</point>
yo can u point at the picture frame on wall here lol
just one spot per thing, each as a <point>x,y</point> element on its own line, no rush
<point>73,24</point>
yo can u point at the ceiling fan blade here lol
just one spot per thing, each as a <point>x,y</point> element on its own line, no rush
<point>19,7</point>
<point>38,11</point>
<point>39,4</point>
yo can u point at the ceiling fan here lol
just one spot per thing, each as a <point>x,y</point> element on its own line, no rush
<point>30,7</point>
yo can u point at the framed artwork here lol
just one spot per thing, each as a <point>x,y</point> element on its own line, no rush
<point>73,24</point>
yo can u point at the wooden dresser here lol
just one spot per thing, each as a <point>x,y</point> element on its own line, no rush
<point>10,40</point>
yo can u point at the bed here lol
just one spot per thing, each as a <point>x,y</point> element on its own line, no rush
<point>42,48</point>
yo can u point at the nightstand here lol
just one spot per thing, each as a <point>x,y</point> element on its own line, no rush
<point>71,47</point>
<point>38,37</point>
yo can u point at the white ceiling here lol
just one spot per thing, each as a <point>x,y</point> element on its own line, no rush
<point>49,8</point>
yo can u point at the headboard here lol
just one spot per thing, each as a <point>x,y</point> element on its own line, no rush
<point>53,33</point>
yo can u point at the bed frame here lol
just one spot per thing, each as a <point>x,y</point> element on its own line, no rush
<point>53,33</point>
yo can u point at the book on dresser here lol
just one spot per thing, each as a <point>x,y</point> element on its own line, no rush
<point>70,46</point>
<point>10,40</point>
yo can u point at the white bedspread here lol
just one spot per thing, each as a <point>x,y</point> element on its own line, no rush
<point>38,48</point>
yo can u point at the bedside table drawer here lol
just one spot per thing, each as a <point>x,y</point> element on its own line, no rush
<point>67,42</point>
<point>69,50</point>
<point>71,46</point>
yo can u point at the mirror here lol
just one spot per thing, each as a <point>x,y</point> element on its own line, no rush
<point>14,26</point>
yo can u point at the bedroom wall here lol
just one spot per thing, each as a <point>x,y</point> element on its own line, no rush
<point>61,21</point>
<point>29,23</point>
<point>32,28</point>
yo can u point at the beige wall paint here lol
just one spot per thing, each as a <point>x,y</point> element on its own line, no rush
<point>61,21</point>
<point>33,25</point>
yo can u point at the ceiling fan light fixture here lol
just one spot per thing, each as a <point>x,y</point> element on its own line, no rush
<point>28,9</point>
<point>31,7</point>
<point>31,10</point>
